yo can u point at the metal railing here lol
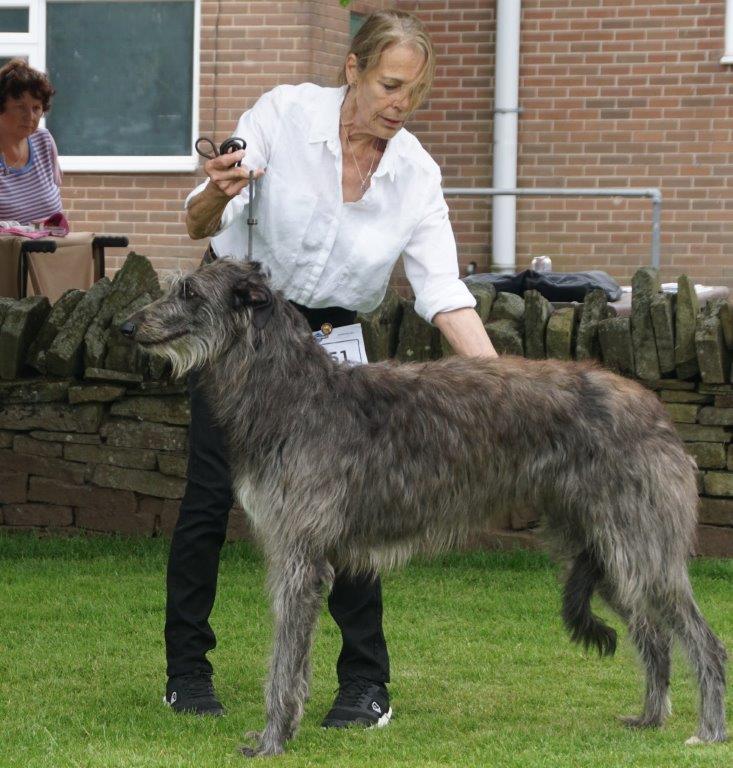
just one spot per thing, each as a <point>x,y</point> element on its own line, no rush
<point>652,192</point>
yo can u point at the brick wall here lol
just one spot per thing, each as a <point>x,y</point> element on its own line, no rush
<point>613,92</point>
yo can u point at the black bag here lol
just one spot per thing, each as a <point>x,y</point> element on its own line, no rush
<point>554,286</point>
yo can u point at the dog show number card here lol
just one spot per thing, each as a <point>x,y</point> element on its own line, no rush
<point>345,344</point>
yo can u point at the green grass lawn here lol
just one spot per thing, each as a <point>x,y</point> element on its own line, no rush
<point>483,673</point>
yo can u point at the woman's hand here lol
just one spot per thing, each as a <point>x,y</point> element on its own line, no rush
<point>225,177</point>
<point>225,182</point>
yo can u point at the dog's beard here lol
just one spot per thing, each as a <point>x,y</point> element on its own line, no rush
<point>186,353</point>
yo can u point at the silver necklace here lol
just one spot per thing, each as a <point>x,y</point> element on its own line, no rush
<point>364,180</point>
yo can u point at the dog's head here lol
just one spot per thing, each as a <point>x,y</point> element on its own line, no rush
<point>202,313</point>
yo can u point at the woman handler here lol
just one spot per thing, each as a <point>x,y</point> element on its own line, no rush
<point>344,191</point>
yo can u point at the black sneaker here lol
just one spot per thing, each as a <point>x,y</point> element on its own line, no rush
<point>193,694</point>
<point>359,702</point>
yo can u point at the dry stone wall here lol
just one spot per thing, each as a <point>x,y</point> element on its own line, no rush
<point>93,432</point>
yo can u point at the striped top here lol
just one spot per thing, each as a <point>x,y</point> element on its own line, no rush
<point>31,193</point>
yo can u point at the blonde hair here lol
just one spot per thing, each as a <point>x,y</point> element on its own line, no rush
<point>383,29</point>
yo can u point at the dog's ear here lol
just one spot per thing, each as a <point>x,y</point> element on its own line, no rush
<point>258,297</point>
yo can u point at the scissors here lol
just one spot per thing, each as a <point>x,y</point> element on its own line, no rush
<point>233,144</point>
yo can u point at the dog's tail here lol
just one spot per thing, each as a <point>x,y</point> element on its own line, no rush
<point>583,625</point>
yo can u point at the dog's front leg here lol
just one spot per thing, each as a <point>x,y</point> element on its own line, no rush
<point>296,586</point>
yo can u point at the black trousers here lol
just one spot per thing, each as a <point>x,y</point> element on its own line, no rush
<point>193,565</point>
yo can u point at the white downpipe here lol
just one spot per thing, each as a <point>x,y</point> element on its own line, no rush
<point>506,106</point>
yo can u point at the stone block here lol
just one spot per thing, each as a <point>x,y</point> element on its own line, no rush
<point>149,483</point>
<point>103,393</point>
<point>32,447</point>
<point>21,325</point>
<point>644,289</point>
<point>35,391</point>
<point>37,515</point>
<point>561,333</point>
<point>713,357</point>
<point>716,389</point>
<point>103,374</point>
<point>662,314</point>
<point>522,518</point>
<point>59,314</point>
<point>65,355</point>
<point>682,396</point>
<point>707,455</point>
<point>122,353</point>
<point>5,305</point>
<point>506,336</point>
<point>137,523</point>
<point>485,294</point>
<point>95,343</point>
<point>45,466</point>
<point>118,503</point>
<point>730,458</point>
<point>158,388</point>
<point>381,327</point>
<point>716,417</point>
<point>6,439</point>
<point>157,437</point>
<point>167,513</point>
<point>537,311</point>
<point>13,487</point>
<point>52,417</point>
<point>614,336</point>
<point>724,401</point>
<point>718,483</point>
<point>175,464</point>
<point>716,511</point>
<point>238,527</point>
<point>687,386</point>
<point>67,437</point>
<point>174,409</point>
<point>694,433</point>
<point>682,412</point>
<point>135,458</point>
<point>688,307</point>
<point>508,306</point>
<point>418,341</point>
<point>714,541</point>
<point>593,310</point>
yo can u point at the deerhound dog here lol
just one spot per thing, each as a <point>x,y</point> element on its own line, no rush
<point>358,468</point>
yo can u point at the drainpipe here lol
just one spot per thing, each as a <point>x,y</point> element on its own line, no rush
<point>506,118</point>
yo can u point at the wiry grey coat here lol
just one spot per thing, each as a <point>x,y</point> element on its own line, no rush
<point>361,467</point>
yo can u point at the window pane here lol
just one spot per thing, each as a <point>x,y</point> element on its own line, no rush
<point>356,21</point>
<point>123,74</point>
<point>13,19</point>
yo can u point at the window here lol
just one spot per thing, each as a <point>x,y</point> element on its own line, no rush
<point>125,74</point>
<point>728,53</point>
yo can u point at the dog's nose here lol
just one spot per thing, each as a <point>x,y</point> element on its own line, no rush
<point>127,328</point>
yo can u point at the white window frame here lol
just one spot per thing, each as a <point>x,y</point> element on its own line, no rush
<point>728,52</point>
<point>33,46</point>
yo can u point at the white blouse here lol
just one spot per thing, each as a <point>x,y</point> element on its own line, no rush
<point>320,250</point>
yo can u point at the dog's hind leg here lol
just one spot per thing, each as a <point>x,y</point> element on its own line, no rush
<point>707,656</point>
<point>654,644</point>
<point>296,590</point>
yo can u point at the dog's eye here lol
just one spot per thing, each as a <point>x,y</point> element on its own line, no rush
<point>187,292</point>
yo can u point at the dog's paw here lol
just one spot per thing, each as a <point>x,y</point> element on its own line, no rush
<point>261,750</point>
<point>713,738</point>
<point>640,721</point>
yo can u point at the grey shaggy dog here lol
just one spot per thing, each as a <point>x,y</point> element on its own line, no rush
<point>358,468</point>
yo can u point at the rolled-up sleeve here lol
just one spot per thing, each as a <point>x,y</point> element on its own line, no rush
<point>431,261</point>
<point>258,126</point>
